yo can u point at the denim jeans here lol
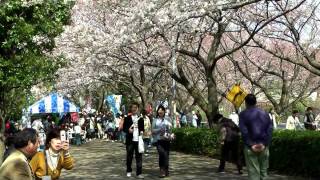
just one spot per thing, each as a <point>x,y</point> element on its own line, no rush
<point>146,142</point>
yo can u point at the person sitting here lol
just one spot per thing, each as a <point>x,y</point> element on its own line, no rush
<point>55,158</point>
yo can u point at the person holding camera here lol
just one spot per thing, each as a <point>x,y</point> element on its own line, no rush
<point>161,130</point>
<point>49,164</point>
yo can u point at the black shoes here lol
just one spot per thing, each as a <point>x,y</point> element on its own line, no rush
<point>222,171</point>
<point>164,173</point>
<point>240,172</point>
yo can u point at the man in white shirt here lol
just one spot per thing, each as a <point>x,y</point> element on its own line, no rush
<point>133,127</point>
<point>293,121</point>
<point>70,133</point>
<point>194,119</point>
<point>273,118</point>
<point>37,125</point>
<point>77,132</point>
<point>92,125</point>
<point>117,124</point>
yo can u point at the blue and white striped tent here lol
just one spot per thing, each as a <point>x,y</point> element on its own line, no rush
<point>54,103</point>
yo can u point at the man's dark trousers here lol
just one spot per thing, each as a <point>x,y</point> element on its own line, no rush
<point>132,147</point>
<point>233,148</point>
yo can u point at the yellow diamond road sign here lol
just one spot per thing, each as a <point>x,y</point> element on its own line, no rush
<point>236,95</point>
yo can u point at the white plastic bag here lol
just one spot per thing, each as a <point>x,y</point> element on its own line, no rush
<point>141,145</point>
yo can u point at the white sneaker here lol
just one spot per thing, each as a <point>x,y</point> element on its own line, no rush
<point>140,176</point>
<point>128,174</point>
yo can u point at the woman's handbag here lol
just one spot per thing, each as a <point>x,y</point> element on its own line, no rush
<point>140,144</point>
<point>168,136</point>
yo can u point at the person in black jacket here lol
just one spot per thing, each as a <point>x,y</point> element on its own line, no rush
<point>229,140</point>
<point>133,127</point>
<point>309,119</point>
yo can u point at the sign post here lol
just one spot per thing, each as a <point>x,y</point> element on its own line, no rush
<point>236,95</point>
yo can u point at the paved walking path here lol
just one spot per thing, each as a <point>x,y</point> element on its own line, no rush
<point>103,160</point>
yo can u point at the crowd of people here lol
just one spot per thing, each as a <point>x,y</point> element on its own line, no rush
<point>189,119</point>
<point>86,127</point>
<point>43,145</point>
<point>41,149</point>
<point>310,120</point>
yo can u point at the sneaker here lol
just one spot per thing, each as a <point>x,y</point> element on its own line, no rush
<point>162,173</point>
<point>146,155</point>
<point>221,171</point>
<point>128,174</point>
<point>140,176</point>
<point>162,176</point>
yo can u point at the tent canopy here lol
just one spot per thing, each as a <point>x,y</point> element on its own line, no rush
<point>53,103</point>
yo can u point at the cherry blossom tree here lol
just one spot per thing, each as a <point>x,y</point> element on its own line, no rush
<point>197,30</point>
<point>298,30</point>
<point>281,82</point>
<point>186,39</point>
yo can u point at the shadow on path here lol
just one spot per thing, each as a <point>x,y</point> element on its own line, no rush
<point>103,160</point>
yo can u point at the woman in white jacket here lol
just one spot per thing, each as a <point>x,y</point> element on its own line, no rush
<point>293,121</point>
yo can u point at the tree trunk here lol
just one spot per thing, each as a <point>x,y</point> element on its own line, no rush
<point>2,139</point>
<point>143,96</point>
<point>102,101</point>
<point>213,107</point>
<point>2,119</point>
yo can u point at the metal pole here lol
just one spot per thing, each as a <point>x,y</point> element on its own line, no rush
<point>174,67</point>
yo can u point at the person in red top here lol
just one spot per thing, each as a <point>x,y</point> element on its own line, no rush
<point>7,125</point>
<point>9,129</point>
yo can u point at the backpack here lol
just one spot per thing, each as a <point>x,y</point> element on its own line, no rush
<point>233,131</point>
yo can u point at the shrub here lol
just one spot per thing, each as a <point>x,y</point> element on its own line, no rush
<point>291,152</point>
<point>196,141</point>
<point>296,152</point>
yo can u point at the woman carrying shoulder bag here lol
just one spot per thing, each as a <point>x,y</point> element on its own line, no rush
<point>47,165</point>
<point>161,130</point>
